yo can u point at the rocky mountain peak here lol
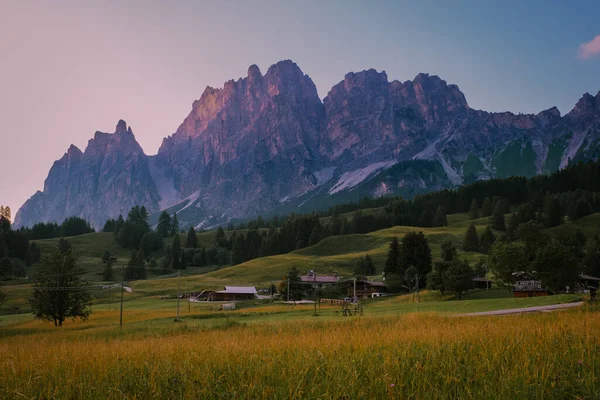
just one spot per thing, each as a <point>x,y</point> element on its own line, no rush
<point>254,72</point>
<point>586,107</point>
<point>121,127</point>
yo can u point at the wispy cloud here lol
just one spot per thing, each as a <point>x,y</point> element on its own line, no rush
<point>589,49</point>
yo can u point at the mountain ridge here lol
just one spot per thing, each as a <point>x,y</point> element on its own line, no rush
<point>264,140</point>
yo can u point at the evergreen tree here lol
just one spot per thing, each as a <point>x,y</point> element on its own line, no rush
<point>105,256</point>
<point>440,218</point>
<point>471,241</point>
<point>108,272</point>
<point>486,207</point>
<point>199,258</point>
<point>392,265</point>
<point>554,213</point>
<point>487,240</point>
<point>497,221</point>
<point>176,253</point>
<point>415,252</point>
<point>151,242</point>
<point>165,225</point>
<point>474,211</point>
<point>175,227</point>
<point>220,238</point>
<point>238,253</point>
<point>316,235</point>
<point>192,239</point>
<point>370,269</point>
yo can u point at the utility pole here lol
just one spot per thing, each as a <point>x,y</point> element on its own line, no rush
<point>315,294</point>
<point>288,293</point>
<point>178,292</point>
<point>353,299</point>
<point>122,284</point>
<point>418,287</point>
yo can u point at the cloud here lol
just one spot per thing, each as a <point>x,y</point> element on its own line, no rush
<point>589,49</point>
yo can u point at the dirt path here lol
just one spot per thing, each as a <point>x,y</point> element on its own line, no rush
<point>524,310</point>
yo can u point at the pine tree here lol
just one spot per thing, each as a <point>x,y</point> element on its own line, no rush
<point>192,239</point>
<point>238,253</point>
<point>473,212</point>
<point>415,252</point>
<point>199,258</point>
<point>370,269</point>
<point>392,261</point>
<point>440,218</point>
<point>316,235</point>
<point>554,213</point>
<point>106,256</point>
<point>164,224</point>
<point>108,272</point>
<point>486,207</point>
<point>175,227</point>
<point>487,240</point>
<point>220,238</point>
<point>498,218</point>
<point>176,253</point>
<point>471,241</point>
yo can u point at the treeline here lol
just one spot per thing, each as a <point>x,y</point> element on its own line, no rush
<point>16,251</point>
<point>575,189</point>
<point>72,226</point>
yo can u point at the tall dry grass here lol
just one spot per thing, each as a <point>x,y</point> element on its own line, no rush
<point>416,356</point>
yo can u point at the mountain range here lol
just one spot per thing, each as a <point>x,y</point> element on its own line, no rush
<point>268,144</point>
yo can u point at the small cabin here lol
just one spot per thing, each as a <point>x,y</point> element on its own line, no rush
<point>529,288</point>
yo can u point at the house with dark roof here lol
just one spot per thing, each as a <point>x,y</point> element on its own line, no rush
<point>529,288</point>
<point>233,293</point>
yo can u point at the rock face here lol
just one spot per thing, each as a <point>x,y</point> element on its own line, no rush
<point>109,178</point>
<point>267,143</point>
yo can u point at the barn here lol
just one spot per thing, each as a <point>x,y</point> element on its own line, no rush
<point>234,293</point>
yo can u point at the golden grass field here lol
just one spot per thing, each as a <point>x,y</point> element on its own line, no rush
<point>415,355</point>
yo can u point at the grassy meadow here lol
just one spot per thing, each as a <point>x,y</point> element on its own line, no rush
<point>398,349</point>
<point>411,355</point>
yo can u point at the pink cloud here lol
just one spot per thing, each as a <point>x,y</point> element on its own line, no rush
<point>589,49</point>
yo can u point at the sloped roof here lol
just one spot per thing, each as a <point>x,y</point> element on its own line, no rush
<point>239,290</point>
<point>319,279</point>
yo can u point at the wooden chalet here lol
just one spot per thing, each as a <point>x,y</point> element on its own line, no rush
<point>365,288</point>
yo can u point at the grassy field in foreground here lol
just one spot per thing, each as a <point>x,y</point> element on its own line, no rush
<point>418,356</point>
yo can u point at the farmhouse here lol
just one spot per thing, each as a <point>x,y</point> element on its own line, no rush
<point>365,288</point>
<point>319,281</point>
<point>529,288</point>
<point>233,293</point>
